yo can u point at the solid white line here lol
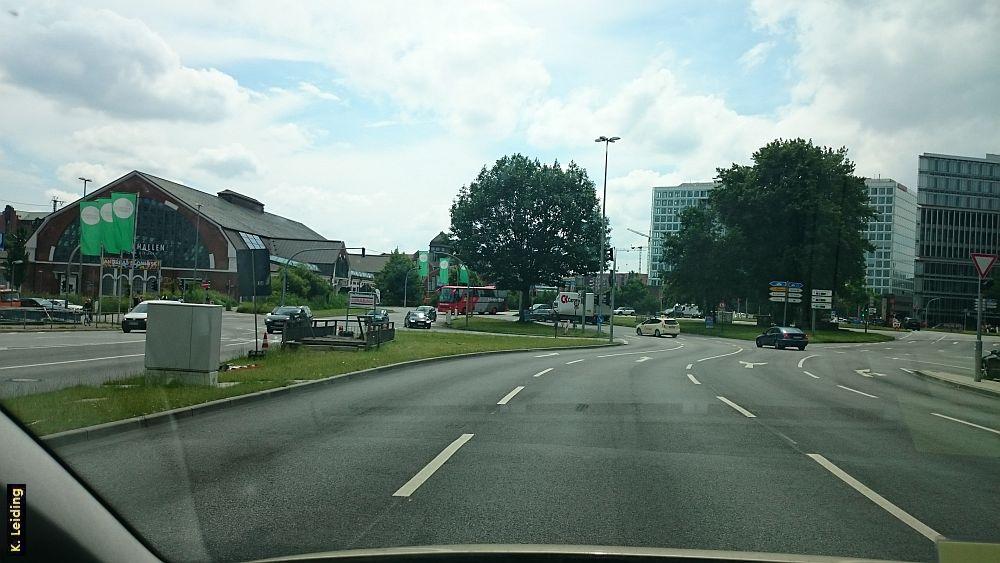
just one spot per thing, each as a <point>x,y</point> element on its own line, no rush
<point>878,499</point>
<point>429,469</point>
<point>806,358</point>
<point>967,423</point>
<point>72,361</point>
<point>693,379</point>
<point>810,375</point>
<point>543,372</point>
<point>721,355</point>
<point>689,366</point>
<point>742,410</point>
<point>931,363</point>
<point>506,399</point>
<point>547,355</point>
<point>910,371</point>
<point>574,361</point>
<point>943,336</point>
<point>858,392</point>
<point>73,345</point>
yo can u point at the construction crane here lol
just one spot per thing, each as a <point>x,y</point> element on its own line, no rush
<point>638,247</point>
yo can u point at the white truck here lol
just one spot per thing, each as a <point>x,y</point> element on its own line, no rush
<point>568,305</point>
<point>684,311</point>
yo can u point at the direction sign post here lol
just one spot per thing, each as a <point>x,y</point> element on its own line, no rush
<point>983,263</point>
<point>785,292</point>
<point>820,299</point>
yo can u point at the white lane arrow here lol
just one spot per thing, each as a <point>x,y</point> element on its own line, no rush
<point>750,365</point>
<point>910,371</point>
<point>868,373</point>
<point>643,359</point>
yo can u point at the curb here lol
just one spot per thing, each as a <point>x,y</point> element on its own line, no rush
<point>957,384</point>
<point>78,435</point>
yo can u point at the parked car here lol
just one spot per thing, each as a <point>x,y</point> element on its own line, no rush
<point>66,304</point>
<point>659,327</point>
<point>783,336</point>
<point>430,311</point>
<point>625,311</point>
<point>379,316</point>
<point>275,320</point>
<point>416,318</point>
<point>912,324</point>
<point>136,318</point>
<point>37,302</point>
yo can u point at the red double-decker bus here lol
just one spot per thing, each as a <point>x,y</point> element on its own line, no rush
<point>477,299</point>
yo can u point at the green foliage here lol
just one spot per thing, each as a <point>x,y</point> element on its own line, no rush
<point>649,305</point>
<point>632,292</point>
<point>522,223</point>
<point>398,272</point>
<point>704,258</point>
<point>15,244</point>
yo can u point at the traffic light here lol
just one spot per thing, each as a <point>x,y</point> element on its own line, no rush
<point>609,254</point>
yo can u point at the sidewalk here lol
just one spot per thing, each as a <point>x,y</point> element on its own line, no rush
<point>984,387</point>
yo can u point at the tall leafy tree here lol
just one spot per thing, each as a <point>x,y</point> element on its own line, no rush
<point>631,292</point>
<point>802,211</point>
<point>399,269</point>
<point>16,257</point>
<point>522,223</point>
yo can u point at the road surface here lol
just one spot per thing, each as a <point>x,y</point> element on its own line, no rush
<point>695,442</point>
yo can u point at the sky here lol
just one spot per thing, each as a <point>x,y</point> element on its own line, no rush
<point>364,119</point>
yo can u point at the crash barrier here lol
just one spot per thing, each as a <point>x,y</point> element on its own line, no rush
<point>361,332</point>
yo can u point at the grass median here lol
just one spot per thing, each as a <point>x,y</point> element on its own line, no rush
<point>751,332</point>
<point>77,407</point>
<point>487,324</point>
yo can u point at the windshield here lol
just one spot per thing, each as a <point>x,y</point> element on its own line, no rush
<point>648,274</point>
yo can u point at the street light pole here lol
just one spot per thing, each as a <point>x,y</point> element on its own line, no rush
<point>927,310</point>
<point>406,278</point>
<point>79,278</point>
<point>197,241</point>
<point>604,214</point>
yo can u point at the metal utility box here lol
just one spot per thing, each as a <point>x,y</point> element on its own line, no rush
<point>183,342</point>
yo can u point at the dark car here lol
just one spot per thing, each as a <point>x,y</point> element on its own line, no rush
<point>378,316</point>
<point>542,313</point>
<point>275,320</point>
<point>912,324</point>
<point>416,318</point>
<point>782,337</point>
<point>430,311</point>
<point>37,302</point>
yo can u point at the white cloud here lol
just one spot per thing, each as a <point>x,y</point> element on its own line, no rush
<point>314,90</point>
<point>755,55</point>
<point>98,59</point>
<point>230,161</point>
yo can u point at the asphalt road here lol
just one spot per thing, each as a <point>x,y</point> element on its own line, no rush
<point>31,362</point>
<point>694,442</point>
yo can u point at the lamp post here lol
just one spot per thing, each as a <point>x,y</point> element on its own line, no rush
<point>604,209</point>
<point>406,278</point>
<point>197,240</point>
<point>927,309</point>
<point>79,278</point>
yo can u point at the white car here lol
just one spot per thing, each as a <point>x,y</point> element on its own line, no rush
<point>625,311</point>
<point>136,318</point>
<point>659,327</point>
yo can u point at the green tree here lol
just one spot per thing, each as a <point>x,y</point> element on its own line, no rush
<point>16,257</point>
<point>803,210</point>
<point>522,223</point>
<point>702,262</point>
<point>400,270</point>
<point>631,292</point>
<point>648,305</point>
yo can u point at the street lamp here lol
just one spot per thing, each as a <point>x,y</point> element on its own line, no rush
<point>197,241</point>
<point>406,278</point>
<point>85,182</point>
<point>927,309</point>
<point>604,208</point>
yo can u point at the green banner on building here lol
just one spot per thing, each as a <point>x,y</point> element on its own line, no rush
<point>463,274</point>
<point>124,207</point>
<point>109,235</point>
<point>423,265</point>
<point>443,272</point>
<point>90,228</point>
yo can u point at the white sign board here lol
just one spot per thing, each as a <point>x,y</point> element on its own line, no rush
<point>822,299</point>
<point>794,300</point>
<point>358,299</point>
<point>777,294</point>
<point>795,291</point>
<point>822,306</point>
<point>777,299</point>
<point>822,292</point>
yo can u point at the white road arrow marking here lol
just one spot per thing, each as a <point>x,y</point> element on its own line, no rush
<point>863,372</point>
<point>806,358</point>
<point>910,371</point>
<point>750,365</point>
<point>643,359</point>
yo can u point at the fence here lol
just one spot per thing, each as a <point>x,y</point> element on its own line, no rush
<point>39,316</point>
<point>359,333</point>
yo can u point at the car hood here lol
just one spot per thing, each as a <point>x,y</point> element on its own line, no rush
<point>529,552</point>
<point>134,316</point>
<point>279,317</point>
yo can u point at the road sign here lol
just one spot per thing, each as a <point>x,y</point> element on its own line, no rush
<point>816,305</point>
<point>984,263</point>
<point>987,304</point>
<point>821,299</point>
<point>822,292</point>
<point>794,291</point>
<point>872,310</point>
<point>797,285</point>
<point>359,299</point>
<point>778,284</point>
<point>777,299</point>
<point>778,294</point>
<point>794,300</point>
<point>205,285</point>
<point>778,289</point>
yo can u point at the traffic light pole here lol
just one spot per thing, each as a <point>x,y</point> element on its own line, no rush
<point>611,317</point>
<point>978,361</point>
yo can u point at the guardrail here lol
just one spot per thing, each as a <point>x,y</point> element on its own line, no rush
<point>39,316</point>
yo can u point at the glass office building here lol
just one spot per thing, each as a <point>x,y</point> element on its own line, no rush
<point>959,213</point>
<point>665,216</point>
<point>893,231</point>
